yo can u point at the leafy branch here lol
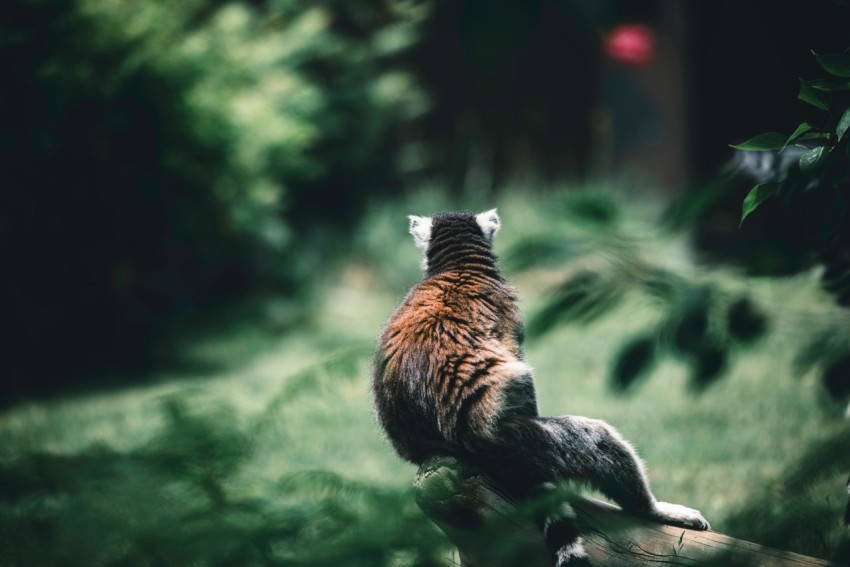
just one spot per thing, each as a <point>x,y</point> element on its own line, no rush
<point>824,165</point>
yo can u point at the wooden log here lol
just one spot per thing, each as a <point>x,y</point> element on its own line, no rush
<point>492,528</point>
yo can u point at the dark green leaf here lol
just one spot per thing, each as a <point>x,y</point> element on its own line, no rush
<point>836,377</point>
<point>688,323</point>
<point>813,158</point>
<point>843,124</point>
<point>768,141</point>
<point>819,99</point>
<point>710,361</point>
<point>756,197</point>
<point>634,360</point>
<point>801,129</point>
<point>690,331</point>
<point>538,251</point>
<point>814,136</point>
<point>745,320</point>
<point>830,84</point>
<point>838,64</point>
<point>581,299</point>
<point>593,208</point>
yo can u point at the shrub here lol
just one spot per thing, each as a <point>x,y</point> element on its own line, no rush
<point>153,154</point>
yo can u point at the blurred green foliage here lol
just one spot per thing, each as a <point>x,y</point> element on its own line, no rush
<point>703,323</point>
<point>163,158</point>
<point>193,493</point>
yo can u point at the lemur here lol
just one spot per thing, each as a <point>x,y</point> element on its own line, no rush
<point>450,379</point>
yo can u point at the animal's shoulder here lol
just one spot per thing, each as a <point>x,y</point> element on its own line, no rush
<point>457,296</point>
<point>450,301</point>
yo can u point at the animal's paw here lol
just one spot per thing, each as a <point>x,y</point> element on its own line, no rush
<point>681,515</point>
<point>571,555</point>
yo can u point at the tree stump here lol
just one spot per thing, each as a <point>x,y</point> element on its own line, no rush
<point>491,528</point>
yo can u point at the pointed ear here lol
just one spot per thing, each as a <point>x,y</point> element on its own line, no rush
<point>420,228</point>
<point>489,223</point>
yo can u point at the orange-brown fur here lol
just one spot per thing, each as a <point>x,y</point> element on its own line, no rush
<point>439,315</point>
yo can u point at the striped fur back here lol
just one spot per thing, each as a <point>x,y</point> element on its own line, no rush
<point>450,359</point>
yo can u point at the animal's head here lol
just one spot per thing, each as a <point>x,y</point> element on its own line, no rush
<point>433,234</point>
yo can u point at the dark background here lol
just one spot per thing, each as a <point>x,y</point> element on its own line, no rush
<point>131,218</point>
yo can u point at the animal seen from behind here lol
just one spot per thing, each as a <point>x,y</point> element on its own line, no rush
<point>450,379</point>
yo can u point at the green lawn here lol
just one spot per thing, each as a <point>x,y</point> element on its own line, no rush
<point>271,455</point>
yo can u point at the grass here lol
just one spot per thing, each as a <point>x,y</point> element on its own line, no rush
<point>272,455</point>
